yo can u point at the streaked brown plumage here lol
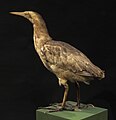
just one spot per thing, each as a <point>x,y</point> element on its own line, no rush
<point>65,61</point>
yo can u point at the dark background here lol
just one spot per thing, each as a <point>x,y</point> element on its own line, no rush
<point>25,83</point>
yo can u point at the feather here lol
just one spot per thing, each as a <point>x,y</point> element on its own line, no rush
<point>67,58</point>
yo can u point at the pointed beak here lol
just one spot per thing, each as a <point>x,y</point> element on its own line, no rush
<point>24,14</point>
<point>17,13</point>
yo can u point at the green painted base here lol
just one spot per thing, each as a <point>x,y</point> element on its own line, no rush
<point>93,113</point>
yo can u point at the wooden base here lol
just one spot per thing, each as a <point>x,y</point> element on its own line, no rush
<point>93,113</point>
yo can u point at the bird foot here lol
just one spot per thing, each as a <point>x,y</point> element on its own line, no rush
<point>72,106</point>
<point>84,106</point>
<point>53,107</point>
<point>68,107</point>
<point>56,107</point>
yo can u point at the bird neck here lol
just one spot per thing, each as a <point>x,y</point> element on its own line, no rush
<point>40,30</point>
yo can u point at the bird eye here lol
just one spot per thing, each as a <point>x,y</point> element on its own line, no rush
<point>27,14</point>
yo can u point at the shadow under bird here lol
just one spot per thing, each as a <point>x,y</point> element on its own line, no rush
<point>65,61</point>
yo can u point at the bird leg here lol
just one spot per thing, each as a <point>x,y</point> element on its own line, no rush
<point>66,87</point>
<point>67,105</point>
<point>81,106</point>
<point>78,94</point>
<point>60,106</point>
<point>65,94</point>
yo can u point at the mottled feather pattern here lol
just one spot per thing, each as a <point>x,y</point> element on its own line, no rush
<point>63,56</point>
<point>65,61</point>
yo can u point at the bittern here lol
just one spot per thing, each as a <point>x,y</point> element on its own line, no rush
<point>62,59</point>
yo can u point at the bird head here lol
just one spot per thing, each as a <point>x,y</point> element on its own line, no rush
<point>30,15</point>
<point>35,18</point>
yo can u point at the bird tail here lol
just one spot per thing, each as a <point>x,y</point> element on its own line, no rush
<point>97,72</point>
<point>100,74</point>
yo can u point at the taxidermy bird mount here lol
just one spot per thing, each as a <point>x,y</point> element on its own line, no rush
<point>62,59</point>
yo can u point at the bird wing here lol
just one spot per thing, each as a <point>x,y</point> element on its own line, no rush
<point>67,57</point>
